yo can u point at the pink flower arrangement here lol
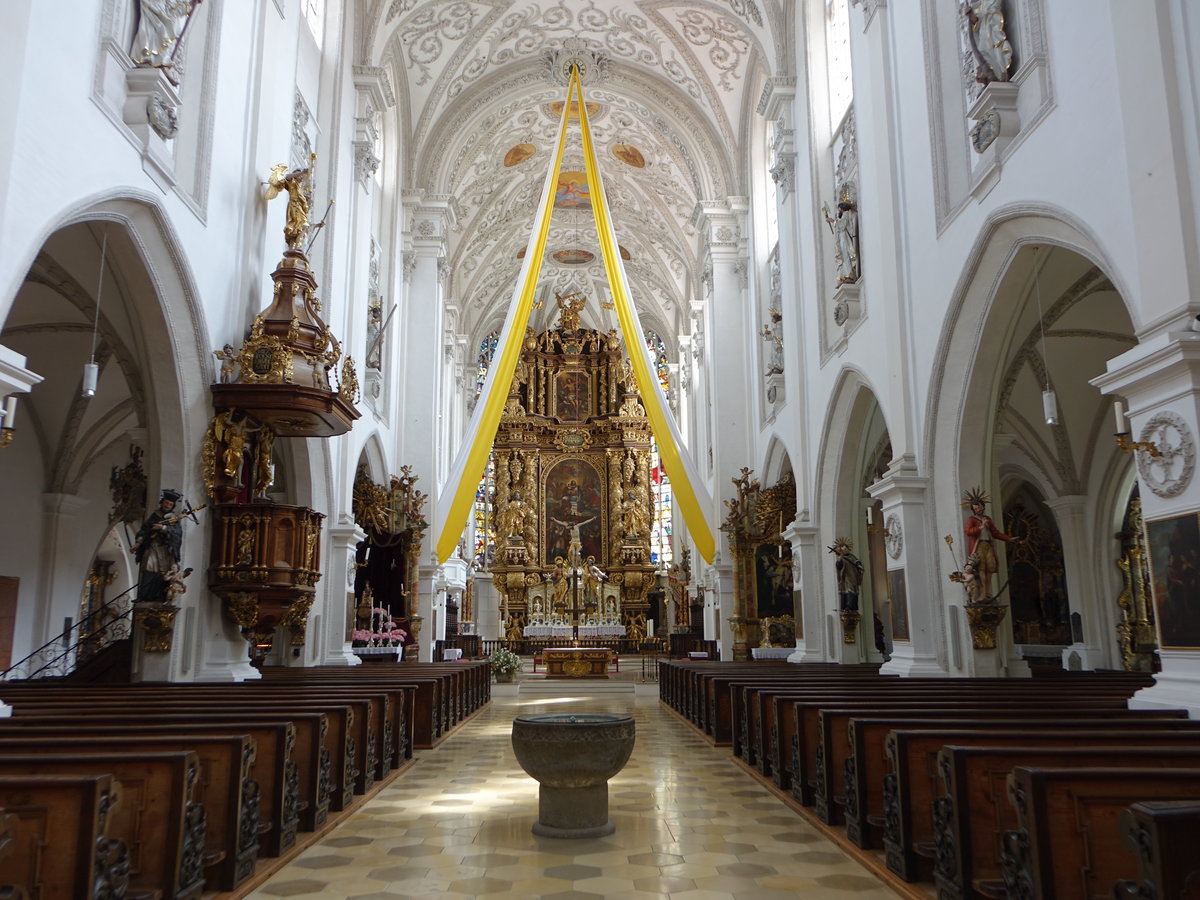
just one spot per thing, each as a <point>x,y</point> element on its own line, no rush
<point>384,632</point>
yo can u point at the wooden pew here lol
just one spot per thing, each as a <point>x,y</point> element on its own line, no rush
<point>345,718</point>
<point>869,762</point>
<point>61,846</point>
<point>761,710</point>
<point>274,770</point>
<point>833,734</point>
<point>311,753</point>
<point>395,744</point>
<point>225,789</point>
<point>913,783</point>
<point>807,763</point>
<point>156,819</point>
<point>1053,853</point>
<point>971,818</point>
<point>1163,836</point>
<point>8,837</point>
<point>430,704</point>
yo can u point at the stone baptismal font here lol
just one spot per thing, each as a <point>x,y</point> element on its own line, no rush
<point>572,756</point>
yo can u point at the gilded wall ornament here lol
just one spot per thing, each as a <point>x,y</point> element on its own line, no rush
<point>1169,473</point>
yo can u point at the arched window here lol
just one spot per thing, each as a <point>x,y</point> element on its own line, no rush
<point>485,495</point>
<point>661,499</point>
<point>837,61</point>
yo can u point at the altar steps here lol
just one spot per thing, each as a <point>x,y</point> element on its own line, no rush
<point>572,687</point>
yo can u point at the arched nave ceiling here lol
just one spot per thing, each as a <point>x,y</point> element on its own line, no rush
<point>476,82</point>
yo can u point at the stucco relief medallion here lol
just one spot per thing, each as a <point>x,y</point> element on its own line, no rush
<point>893,537</point>
<point>162,116</point>
<point>841,312</point>
<point>1168,474</point>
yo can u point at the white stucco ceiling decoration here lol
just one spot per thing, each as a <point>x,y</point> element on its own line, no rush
<point>677,81</point>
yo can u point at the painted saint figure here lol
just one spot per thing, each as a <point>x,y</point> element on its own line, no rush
<point>980,531</point>
<point>849,574</point>
<point>157,548</point>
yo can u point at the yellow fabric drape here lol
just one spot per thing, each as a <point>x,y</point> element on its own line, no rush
<point>691,497</point>
<point>458,494</point>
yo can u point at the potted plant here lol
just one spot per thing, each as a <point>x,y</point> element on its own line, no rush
<point>504,664</point>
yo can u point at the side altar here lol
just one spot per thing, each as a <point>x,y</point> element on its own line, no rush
<point>573,493</point>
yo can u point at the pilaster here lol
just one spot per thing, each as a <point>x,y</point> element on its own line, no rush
<point>904,496</point>
<point>806,576</point>
<point>334,648</point>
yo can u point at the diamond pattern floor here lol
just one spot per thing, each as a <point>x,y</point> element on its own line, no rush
<point>690,824</point>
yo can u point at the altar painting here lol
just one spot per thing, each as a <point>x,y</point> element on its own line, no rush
<point>572,396</point>
<point>572,499</point>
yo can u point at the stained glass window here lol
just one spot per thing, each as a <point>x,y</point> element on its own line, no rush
<point>658,353</point>
<point>484,518</point>
<point>487,349</point>
<point>661,498</point>
<point>485,495</point>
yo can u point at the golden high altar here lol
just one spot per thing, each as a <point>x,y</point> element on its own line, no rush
<point>573,468</point>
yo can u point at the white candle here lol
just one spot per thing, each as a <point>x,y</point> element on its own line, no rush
<point>1119,414</point>
<point>10,411</point>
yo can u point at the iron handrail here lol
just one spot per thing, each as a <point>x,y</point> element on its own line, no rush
<point>61,655</point>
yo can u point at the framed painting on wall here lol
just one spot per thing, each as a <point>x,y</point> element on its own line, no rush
<point>1174,546</point>
<point>899,596</point>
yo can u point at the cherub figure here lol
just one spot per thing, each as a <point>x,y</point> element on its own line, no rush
<point>228,359</point>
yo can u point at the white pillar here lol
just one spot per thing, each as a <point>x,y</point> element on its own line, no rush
<point>1157,379</point>
<point>1084,591</point>
<point>904,495</point>
<point>725,448</point>
<point>422,383</point>
<point>333,647</point>
<point>806,577</point>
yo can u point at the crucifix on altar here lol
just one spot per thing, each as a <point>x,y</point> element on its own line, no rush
<point>567,579</point>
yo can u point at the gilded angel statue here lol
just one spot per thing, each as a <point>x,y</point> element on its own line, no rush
<point>298,184</point>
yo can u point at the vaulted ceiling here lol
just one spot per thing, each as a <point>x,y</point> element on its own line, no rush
<point>672,88</point>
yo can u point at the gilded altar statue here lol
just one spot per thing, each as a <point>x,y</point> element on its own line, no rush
<point>570,307</point>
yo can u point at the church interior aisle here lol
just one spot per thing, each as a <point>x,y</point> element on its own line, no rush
<point>690,824</point>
